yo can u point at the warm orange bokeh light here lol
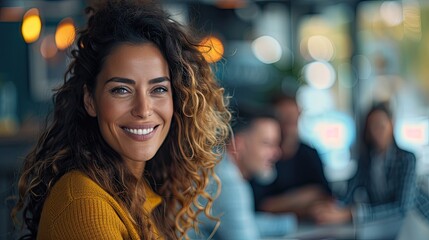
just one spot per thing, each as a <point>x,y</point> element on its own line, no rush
<point>65,34</point>
<point>212,49</point>
<point>31,25</point>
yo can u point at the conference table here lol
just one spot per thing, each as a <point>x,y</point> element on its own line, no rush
<point>307,231</point>
<point>377,230</point>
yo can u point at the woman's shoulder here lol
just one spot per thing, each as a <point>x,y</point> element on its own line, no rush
<point>404,159</point>
<point>74,190</point>
<point>75,201</point>
<point>76,185</point>
<point>405,154</point>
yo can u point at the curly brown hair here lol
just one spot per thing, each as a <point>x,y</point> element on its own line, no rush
<point>180,170</point>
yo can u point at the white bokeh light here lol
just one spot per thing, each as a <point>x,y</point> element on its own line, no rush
<point>320,75</point>
<point>391,13</point>
<point>320,48</point>
<point>314,101</point>
<point>267,49</point>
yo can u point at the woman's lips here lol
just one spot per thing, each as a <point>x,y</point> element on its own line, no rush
<point>140,133</point>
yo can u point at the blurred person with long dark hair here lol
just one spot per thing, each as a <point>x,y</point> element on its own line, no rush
<point>138,127</point>
<point>384,185</point>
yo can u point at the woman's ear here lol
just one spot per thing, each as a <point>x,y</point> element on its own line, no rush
<point>89,102</point>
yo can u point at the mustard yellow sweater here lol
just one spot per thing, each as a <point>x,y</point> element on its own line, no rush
<point>78,208</point>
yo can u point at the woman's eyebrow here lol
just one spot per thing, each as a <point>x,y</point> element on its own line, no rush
<point>120,80</point>
<point>130,81</point>
<point>159,80</point>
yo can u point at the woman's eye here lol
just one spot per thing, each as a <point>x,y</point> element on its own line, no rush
<point>160,90</point>
<point>119,91</point>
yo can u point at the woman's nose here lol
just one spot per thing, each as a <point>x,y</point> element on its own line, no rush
<point>142,106</point>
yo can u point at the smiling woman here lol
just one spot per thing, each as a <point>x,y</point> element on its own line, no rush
<point>133,103</point>
<point>138,127</point>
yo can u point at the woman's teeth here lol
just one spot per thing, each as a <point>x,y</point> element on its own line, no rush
<point>140,131</point>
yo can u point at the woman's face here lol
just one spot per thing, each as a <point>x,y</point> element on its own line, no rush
<point>133,102</point>
<point>380,129</point>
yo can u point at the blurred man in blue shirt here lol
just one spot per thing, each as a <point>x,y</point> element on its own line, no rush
<point>253,149</point>
<point>300,181</point>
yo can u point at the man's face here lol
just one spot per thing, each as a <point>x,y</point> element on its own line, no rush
<point>260,146</point>
<point>288,113</point>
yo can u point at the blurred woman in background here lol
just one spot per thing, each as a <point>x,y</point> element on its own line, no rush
<point>135,134</point>
<point>383,187</point>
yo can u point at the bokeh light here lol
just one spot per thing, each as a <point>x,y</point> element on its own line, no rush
<point>332,134</point>
<point>31,25</point>
<point>65,34</point>
<point>391,13</point>
<point>315,101</point>
<point>412,132</point>
<point>320,75</point>
<point>212,49</point>
<point>320,48</point>
<point>327,131</point>
<point>267,49</point>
